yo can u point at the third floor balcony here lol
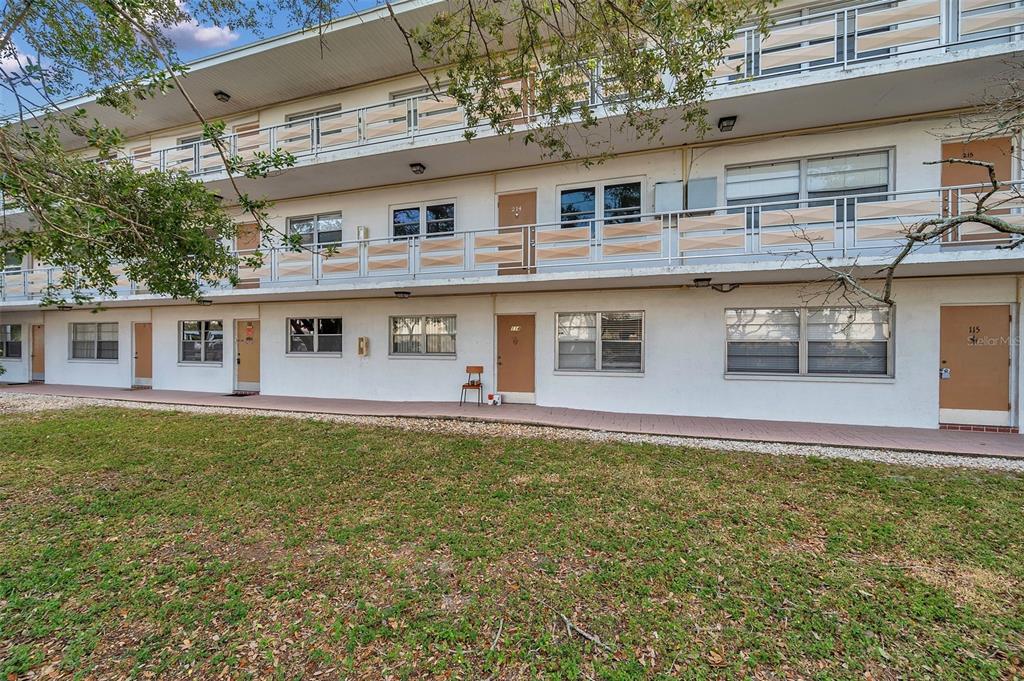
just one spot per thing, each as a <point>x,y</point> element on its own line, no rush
<point>819,49</point>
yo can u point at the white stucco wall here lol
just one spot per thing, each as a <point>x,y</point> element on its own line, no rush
<point>684,353</point>
<point>17,370</point>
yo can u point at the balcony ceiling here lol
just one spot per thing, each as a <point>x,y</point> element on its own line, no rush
<point>360,48</point>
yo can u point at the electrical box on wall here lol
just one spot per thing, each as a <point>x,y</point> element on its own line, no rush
<point>362,232</point>
<point>701,193</point>
<point>668,196</point>
<point>364,346</point>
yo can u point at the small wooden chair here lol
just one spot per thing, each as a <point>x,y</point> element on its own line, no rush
<point>474,381</point>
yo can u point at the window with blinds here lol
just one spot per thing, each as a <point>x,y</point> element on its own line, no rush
<point>848,341</point>
<point>809,341</point>
<point>812,178</point>
<point>94,341</point>
<point>423,335</point>
<point>600,341</point>
<point>764,341</point>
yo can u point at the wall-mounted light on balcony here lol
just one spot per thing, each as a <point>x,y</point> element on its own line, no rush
<point>222,96</point>
<point>725,288</point>
<point>205,301</point>
<point>403,294</point>
<point>726,123</point>
<point>64,308</point>
<point>417,168</point>
<point>702,282</point>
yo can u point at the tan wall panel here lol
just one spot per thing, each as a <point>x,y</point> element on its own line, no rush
<point>900,14</point>
<point>553,236</point>
<point>992,20</point>
<point>707,222</point>
<point>510,256</point>
<point>632,229</point>
<point>788,237</point>
<point>712,242</point>
<point>563,252</point>
<point>389,264</point>
<point>903,208</point>
<point>442,244</point>
<point>632,248</point>
<point>395,248</point>
<point>897,38</point>
<point>798,216</point>
<point>802,33</point>
<point>454,260</point>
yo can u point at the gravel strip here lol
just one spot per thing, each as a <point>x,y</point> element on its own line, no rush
<point>15,403</point>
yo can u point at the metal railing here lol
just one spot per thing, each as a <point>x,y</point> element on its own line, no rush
<point>842,226</point>
<point>836,39</point>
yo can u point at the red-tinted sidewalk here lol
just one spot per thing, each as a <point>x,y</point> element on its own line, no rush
<point>872,437</point>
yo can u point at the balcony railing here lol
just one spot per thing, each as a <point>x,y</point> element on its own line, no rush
<point>836,39</point>
<point>782,231</point>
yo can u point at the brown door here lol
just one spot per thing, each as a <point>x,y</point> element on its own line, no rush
<point>38,353</point>
<point>247,355</point>
<point>999,152</point>
<point>143,371</point>
<point>974,350</point>
<point>516,353</point>
<point>514,210</point>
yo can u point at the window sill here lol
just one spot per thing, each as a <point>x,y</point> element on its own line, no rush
<point>313,354</point>
<point>12,359</point>
<point>588,372</point>
<point>78,360</point>
<point>805,378</point>
<point>200,364</point>
<point>443,357</point>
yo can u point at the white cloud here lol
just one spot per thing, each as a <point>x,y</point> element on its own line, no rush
<point>190,36</point>
<point>13,62</point>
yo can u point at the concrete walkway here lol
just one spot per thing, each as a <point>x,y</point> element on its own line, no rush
<point>1004,445</point>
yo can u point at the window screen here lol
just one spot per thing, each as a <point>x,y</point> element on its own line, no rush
<point>763,341</point>
<point>10,340</point>
<point>94,341</point>
<point>847,341</point>
<point>600,341</point>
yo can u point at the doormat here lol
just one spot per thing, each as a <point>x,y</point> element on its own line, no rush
<point>242,393</point>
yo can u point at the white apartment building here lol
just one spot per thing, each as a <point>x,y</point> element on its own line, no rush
<point>670,279</point>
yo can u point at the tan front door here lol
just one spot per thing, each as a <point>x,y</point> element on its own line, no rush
<point>997,151</point>
<point>516,210</point>
<point>38,353</point>
<point>516,353</point>
<point>247,355</point>
<point>143,357</point>
<point>974,370</point>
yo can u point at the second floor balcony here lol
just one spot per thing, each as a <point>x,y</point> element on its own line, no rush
<point>783,234</point>
<point>832,41</point>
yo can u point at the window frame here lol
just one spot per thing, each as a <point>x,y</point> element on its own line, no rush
<point>316,217</point>
<point>315,352</point>
<point>599,187</point>
<point>598,356</point>
<point>95,343</point>
<point>422,207</point>
<point>203,330</point>
<point>423,336</point>
<point>802,372</point>
<point>803,162</point>
<point>6,333</point>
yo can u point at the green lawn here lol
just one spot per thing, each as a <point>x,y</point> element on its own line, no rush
<point>176,546</point>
